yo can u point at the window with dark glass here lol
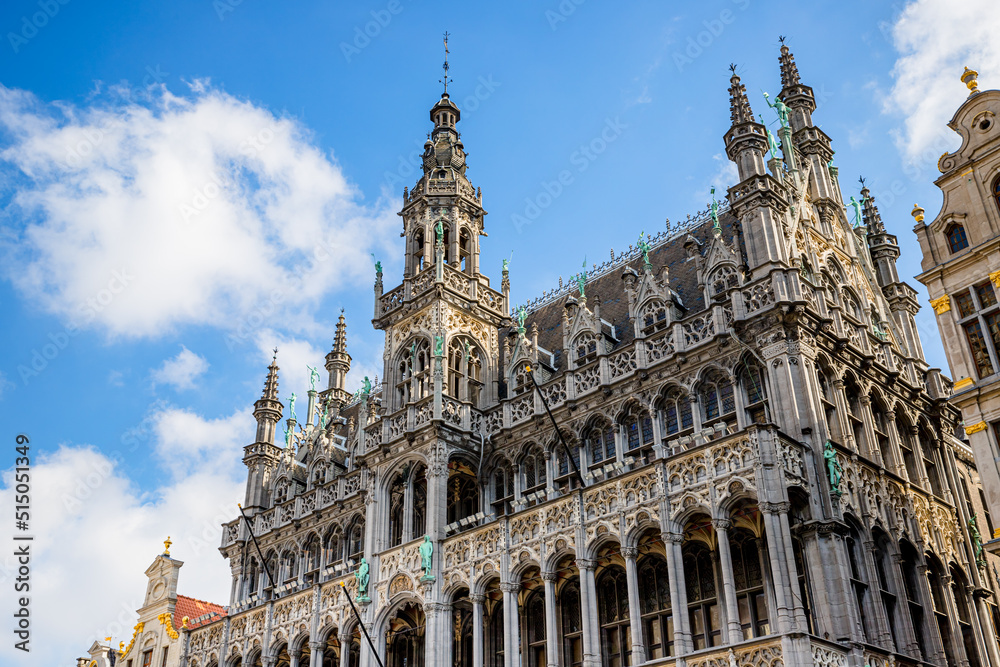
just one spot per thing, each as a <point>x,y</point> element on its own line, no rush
<point>978,313</point>
<point>703,605</point>
<point>654,317</point>
<point>586,350</point>
<point>463,496</point>
<point>534,630</point>
<point>938,593</point>
<point>600,441</point>
<point>749,581</point>
<point>859,582</point>
<point>829,401</point>
<point>929,452</point>
<point>572,625</point>
<point>147,658</point>
<point>563,467</point>
<point>638,429</point>
<point>503,490</point>
<point>908,567</point>
<point>905,433</point>
<point>654,603</point>
<point>533,468</point>
<point>717,399</point>
<point>676,414</point>
<point>755,390</point>
<point>613,613</point>
<point>882,567</point>
<point>493,616</point>
<point>958,587</point>
<point>804,591</point>
<point>956,238</point>
<point>356,540</point>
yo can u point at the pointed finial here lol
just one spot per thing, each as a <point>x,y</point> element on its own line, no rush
<point>446,80</point>
<point>871,216</point>
<point>166,546</point>
<point>271,382</point>
<point>917,213</point>
<point>789,70</point>
<point>739,105</point>
<point>275,357</point>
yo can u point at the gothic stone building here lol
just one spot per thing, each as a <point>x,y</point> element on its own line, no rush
<point>753,464</point>
<point>961,269</point>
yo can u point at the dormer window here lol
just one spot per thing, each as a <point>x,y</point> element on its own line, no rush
<point>956,238</point>
<point>586,350</point>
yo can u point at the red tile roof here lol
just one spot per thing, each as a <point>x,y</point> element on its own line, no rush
<point>193,609</point>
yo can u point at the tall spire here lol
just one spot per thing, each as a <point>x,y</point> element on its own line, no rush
<point>869,212</point>
<point>789,70</point>
<point>338,362</point>
<point>739,105</point>
<point>446,80</point>
<point>271,382</point>
<point>340,338</point>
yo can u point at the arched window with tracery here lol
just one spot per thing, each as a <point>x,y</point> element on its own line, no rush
<point>585,349</point>
<point>748,577</point>
<point>533,629</point>
<point>397,508</point>
<point>565,470</point>
<point>463,492</point>
<point>957,240</point>
<point>828,398</point>
<point>533,469</point>
<point>572,623</point>
<point>855,408</point>
<point>676,416</point>
<point>356,539</point>
<point>521,379</point>
<point>413,372</point>
<point>929,451</point>
<point>461,623</point>
<point>280,490</point>
<point>859,579</point>
<point>405,637</point>
<point>417,251</point>
<point>653,316</point>
<point>493,614</point>
<point>880,420</point>
<point>717,398</point>
<point>886,585</point>
<point>419,491</point>
<point>904,430</point>
<point>654,601</point>
<point>311,553</point>
<point>465,370</point>
<point>503,489</point>
<point>723,279</point>
<point>289,566</point>
<point>964,606</point>
<point>600,440</point>
<point>851,306</point>
<point>464,252</point>
<point>637,427</point>
<point>613,614</point>
<point>251,580</point>
<point>333,547</point>
<point>273,569</point>
<point>753,381</point>
<point>908,566</point>
<point>703,603</point>
<point>935,576</point>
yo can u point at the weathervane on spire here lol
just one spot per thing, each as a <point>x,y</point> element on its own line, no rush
<point>446,80</point>
<point>732,68</point>
<point>781,38</point>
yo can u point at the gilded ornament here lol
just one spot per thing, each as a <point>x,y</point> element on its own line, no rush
<point>941,305</point>
<point>995,279</point>
<point>166,619</point>
<point>962,384</point>
<point>975,428</point>
<point>917,213</point>
<point>969,78</point>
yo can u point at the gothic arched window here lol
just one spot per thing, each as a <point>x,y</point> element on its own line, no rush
<point>280,491</point>
<point>905,433</point>
<point>503,489</point>
<point>311,552</point>
<point>289,566</point>
<point>935,576</point>
<point>996,192</point>
<point>600,440</point>
<point>333,548</point>
<point>419,503</point>
<point>886,586</point>
<point>851,305</point>
<point>828,398</point>
<point>723,279</point>
<point>676,415</point>
<point>880,420</point>
<point>703,603</point>
<point>717,398</point>
<point>533,630</point>
<point>748,578</point>
<point>908,566</point>
<point>654,603</point>
<point>956,237</point>
<point>613,613</point>
<point>585,349</point>
<point>653,316</point>
<point>397,509</point>
<point>859,580</point>
<point>963,606</point>
<point>521,379</point>
<point>417,251</point>
<point>929,451</point>
<point>463,495</point>
<point>753,380</point>
<point>638,428</point>
<point>465,369</point>
<point>533,468</point>
<point>413,371</point>
<point>251,579</point>
<point>464,252</point>
<point>356,539</point>
<point>572,623</point>
<point>493,618</point>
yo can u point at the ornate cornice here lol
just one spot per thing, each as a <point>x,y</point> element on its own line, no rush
<point>138,628</point>
<point>167,620</point>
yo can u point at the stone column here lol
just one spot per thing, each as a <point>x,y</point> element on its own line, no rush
<point>722,527</point>
<point>588,612</point>
<point>843,422</point>
<point>881,620</point>
<point>870,448</point>
<point>898,465</point>
<point>477,600</point>
<point>952,613</point>
<point>293,658</point>
<point>678,593</point>
<point>776,556</point>
<point>797,605</point>
<point>935,647</point>
<point>907,633</point>
<point>551,622</point>
<point>345,650</point>
<point>316,653</point>
<point>512,632</point>
<point>634,608</point>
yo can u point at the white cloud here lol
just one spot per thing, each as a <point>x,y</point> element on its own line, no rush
<point>149,211</point>
<point>936,40</point>
<point>96,532</point>
<point>726,175</point>
<point>180,371</point>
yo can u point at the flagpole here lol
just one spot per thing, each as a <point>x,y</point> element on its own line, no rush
<point>267,570</point>
<point>347,595</point>
<point>569,453</point>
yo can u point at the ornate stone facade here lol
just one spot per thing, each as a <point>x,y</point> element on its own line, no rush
<point>753,464</point>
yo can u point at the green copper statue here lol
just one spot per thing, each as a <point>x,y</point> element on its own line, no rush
<point>313,377</point>
<point>772,143</point>
<point>833,466</point>
<point>438,346</point>
<point>291,407</point>
<point>506,264</point>
<point>780,108</point>
<point>322,417</point>
<point>977,543</point>
<point>858,217</point>
<point>581,278</point>
<point>439,231</point>
<point>644,248</point>
<point>288,438</point>
<point>715,211</point>
<point>378,264</point>
<point>426,550</point>
<point>363,578</point>
<point>522,314</point>
<point>366,386</point>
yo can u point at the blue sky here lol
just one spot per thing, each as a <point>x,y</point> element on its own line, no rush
<point>171,172</point>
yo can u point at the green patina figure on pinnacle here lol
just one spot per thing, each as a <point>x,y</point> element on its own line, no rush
<point>715,211</point>
<point>581,279</point>
<point>833,467</point>
<point>313,377</point>
<point>426,550</point>
<point>522,314</point>
<point>977,543</point>
<point>291,407</point>
<point>780,108</point>
<point>363,577</point>
<point>366,386</point>
<point>772,143</point>
<point>288,438</point>
<point>858,216</point>
<point>438,346</point>
<point>644,248</point>
<point>439,231</point>
<point>378,264</point>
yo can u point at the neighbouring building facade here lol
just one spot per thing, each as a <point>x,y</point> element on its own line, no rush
<point>156,640</point>
<point>753,465</point>
<point>961,269</point>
